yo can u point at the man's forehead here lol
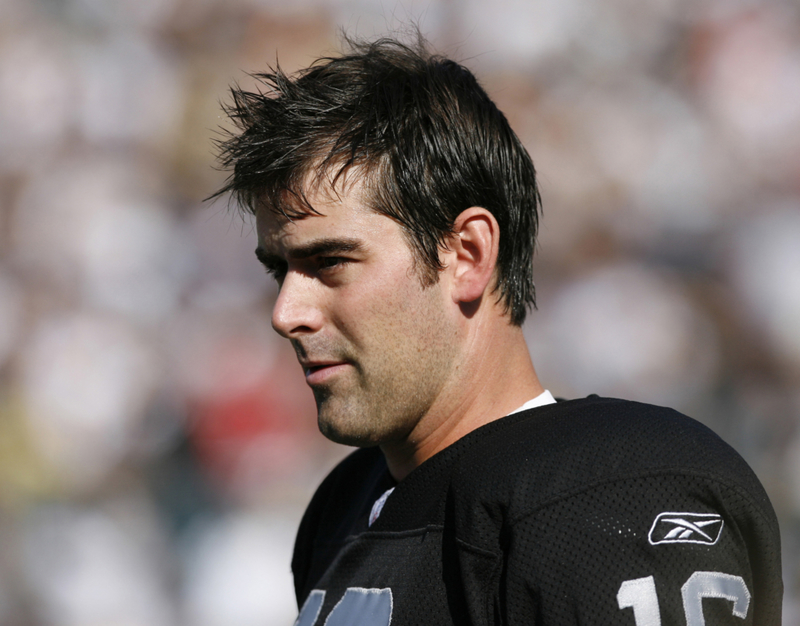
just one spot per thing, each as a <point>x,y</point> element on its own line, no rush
<point>327,212</point>
<point>276,230</point>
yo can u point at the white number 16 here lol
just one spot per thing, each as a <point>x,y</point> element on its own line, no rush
<point>640,595</point>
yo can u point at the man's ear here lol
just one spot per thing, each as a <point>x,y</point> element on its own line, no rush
<point>472,251</point>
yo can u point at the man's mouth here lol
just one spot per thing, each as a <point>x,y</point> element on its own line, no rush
<point>317,373</point>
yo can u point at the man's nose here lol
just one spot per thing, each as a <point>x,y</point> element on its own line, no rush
<point>296,311</point>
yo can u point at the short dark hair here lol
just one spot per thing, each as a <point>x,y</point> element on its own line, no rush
<point>418,127</point>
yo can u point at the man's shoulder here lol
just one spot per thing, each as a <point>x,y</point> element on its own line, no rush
<point>604,429</point>
<point>567,446</point>
<point>615,493</point>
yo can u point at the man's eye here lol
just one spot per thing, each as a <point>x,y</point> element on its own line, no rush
<point>326,262</point>
<point>277,271</point>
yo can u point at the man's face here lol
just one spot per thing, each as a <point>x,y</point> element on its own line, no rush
<point>376,346</point>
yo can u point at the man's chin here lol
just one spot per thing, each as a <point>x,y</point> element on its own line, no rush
<point>351,423</point>
<point>341,422</point>
<point>347,435</point>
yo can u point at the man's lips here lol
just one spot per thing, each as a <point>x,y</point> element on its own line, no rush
<point>318,372</point>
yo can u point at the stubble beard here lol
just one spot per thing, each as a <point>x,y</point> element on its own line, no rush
<point>362,414</point>
<point>391,383</point>
<point>382,407</point>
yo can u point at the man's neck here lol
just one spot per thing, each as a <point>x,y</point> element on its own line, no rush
<point>493,379</point>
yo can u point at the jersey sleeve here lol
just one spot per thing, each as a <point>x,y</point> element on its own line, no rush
<point>657,550</point>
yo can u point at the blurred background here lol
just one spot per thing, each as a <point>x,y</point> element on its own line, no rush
<point>157,440</point>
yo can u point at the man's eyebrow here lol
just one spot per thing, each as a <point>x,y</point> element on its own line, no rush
<point>313,248</point>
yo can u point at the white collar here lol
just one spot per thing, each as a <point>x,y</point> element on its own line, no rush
<point>542,399</point>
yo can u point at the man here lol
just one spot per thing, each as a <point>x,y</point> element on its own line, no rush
<point>398,212</point>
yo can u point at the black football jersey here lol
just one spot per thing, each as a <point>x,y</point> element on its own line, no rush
<point>590,512</point>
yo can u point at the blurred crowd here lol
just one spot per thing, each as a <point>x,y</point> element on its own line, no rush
<point>157,440</point>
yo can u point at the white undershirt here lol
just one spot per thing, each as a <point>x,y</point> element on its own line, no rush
<point>541,400</point>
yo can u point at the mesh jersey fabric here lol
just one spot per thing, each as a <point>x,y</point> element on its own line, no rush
<point>592,511</point>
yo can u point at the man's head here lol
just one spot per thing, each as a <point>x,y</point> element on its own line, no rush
<point>422,135</point>
<point>379,348</point>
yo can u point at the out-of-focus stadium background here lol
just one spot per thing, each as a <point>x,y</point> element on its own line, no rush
<point>157,441</point>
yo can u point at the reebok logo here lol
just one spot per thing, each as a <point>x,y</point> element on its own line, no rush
<point>704,528</point>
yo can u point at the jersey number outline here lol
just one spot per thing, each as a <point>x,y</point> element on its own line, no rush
<point>357,607</point>
<point>640,595</point>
